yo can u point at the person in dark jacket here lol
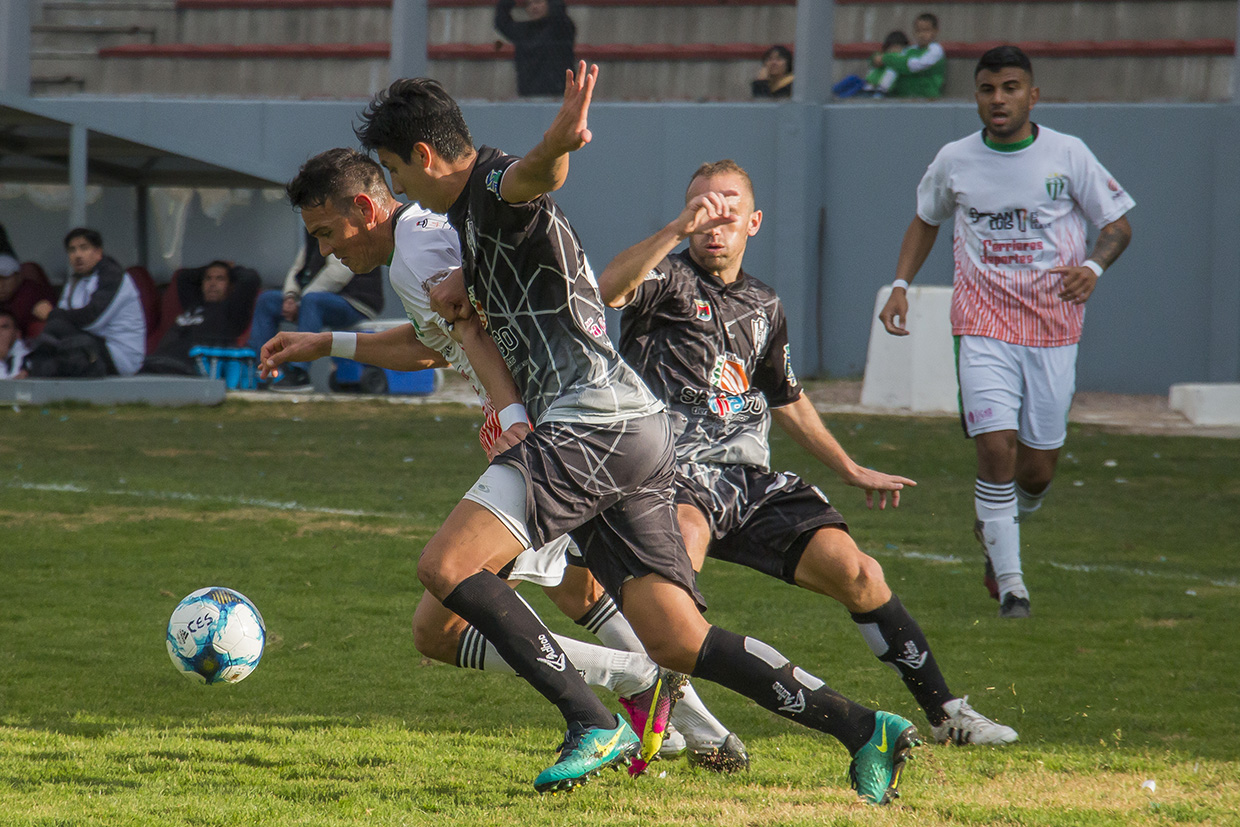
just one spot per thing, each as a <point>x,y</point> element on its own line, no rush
<point>216,305</point>
<point>544,44</point>
<point>320,293</point>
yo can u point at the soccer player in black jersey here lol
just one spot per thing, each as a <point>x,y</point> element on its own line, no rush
<point>712,341</point>
<point>599,461</point>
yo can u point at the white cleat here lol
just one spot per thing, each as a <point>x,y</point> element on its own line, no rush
<point>965,725</point>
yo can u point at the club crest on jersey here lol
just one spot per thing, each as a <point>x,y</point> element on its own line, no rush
<point>729,374</point>
<point>492,181</point>
<point>1055,184</point>
<point>703,310</point>
<point>760,328</point>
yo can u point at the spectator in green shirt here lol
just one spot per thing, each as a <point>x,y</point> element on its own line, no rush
<point>921,69</point>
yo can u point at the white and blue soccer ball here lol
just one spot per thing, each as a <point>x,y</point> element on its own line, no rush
<point>216,635</point>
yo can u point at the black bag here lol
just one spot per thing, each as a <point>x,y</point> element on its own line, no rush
<point>79,356</point>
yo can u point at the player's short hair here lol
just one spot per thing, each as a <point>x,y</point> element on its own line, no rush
<point>782,51</point>
<point>337,175</point>
<point>1001,57</point>
<point>895,38</point>
<point>217,263</point>
<point>93,238</point>
<point>725,167</point>
<point>928,18</point>
<point>411,111</point>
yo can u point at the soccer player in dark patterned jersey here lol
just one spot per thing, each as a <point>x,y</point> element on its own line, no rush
<point>599,461</point>
<point>712,341</point>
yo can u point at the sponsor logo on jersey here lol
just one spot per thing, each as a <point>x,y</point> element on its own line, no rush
<point>788,702</point>
<point>1056,183</point>
<point>1019,219</point>
<point>792,377</point>
<point>655,275</point>
<point>596,327</point>
<point>981,415</point>
<point>432,222</point>
<point>1008,251</point>
<point>729,374</point>
<point>471,236</point>
<point>492,181</point>
<point>703,310</point>
<point>726,406</point>
<point>477,305</point>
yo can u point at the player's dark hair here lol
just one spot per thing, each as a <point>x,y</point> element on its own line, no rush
<point>1001,57</point>
<point>895,38</point>
<point>411,111</point>
<point>782,51</point>
<point>726,166</point>
<point>218,263</point>
<point>929,18</point>
<point>337,175</point>
<point>92,237</point>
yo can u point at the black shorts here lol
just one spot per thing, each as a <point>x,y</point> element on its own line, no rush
<point>610,487</point>
<point>760,519</point>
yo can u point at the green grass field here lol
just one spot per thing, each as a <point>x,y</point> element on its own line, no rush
<point>1129,670</point>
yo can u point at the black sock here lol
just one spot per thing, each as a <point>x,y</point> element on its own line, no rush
<point>896,639</point>
<point>760,673</point>
<point>527,646</point>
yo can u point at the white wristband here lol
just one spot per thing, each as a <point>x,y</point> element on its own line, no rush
<point>899,283</point>
<point>513,414</point>
<point>1092,265</point>
<point>344,344</point>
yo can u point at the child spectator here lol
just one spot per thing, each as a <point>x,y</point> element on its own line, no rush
<point>879,80</point>
<point>775,77</point>
<point>19,295</point>
<point>12,348</point>
<point>920,69</point>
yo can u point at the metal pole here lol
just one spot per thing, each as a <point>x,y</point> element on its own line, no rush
<point>77,175</point>
<point>1235,64</point>
<point>15,47</point>
<point>815,51</point>
<point>409,31</point>
<point>141,227</point>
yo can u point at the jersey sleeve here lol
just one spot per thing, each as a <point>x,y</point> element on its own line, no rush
<point>773,375</point>
<point>652,291</point>
<point>1095,190</point>
<point>508,216</point>
<point>936,202</point>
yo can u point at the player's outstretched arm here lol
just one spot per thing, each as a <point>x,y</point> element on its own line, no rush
<point>1079,282</point>
<point>622,276</point>
<point>395,349</point>
<point>491,370</point>
<point>918,241</point>
<point>545,167</point>
<point>803,424</point>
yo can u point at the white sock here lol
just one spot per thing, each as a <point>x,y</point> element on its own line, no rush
<point>1028,503</point>
<point>625,673</point>
<point>605,622</point>
<point>995,505</point>
<point>693,720</point>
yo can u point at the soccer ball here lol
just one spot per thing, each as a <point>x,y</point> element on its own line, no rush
<point>216,635</point>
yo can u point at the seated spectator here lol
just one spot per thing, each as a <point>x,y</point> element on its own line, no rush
<point>98,327</point>
<point>217,302</point>
<point>922,68</point>
<point>20,295</point>
<point>775,77</point>
<point>319,292</point>
<point>879,80</point>
<point>543,43</point>
<point>12,349</point>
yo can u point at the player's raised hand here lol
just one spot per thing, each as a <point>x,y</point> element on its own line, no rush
<point>895,308</point>
<point>876,483</point>
<point>1078,283</point>
<point>570,131</point>
<point>708,210</point>
<point>292,346</point>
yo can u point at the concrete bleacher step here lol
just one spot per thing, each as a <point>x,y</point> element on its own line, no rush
<point>1207,403</point>
<point>159,391</point>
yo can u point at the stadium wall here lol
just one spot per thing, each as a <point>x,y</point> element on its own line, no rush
<point>836,184</point>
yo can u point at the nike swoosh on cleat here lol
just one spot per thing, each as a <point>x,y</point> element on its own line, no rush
<point>602,749</point>
<point>883,746</point>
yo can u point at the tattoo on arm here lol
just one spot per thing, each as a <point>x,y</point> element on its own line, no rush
<point>1112,239</point>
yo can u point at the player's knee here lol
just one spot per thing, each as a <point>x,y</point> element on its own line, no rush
<point>437,574</point>
<point>672,651</point>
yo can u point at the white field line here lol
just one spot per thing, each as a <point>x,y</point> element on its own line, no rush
<point>276,505</point>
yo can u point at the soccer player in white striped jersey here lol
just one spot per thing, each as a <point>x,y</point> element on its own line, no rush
<point>1020,194</point>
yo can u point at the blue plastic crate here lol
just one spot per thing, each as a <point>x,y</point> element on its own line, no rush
<point>355,376</point>
<point>235,365</point>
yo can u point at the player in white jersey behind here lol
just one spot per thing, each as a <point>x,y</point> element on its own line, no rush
<point>1020,194</point>
<point>421,247</point>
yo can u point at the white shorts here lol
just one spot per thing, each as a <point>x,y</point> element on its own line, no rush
<point>501,490</point>
<point>1006,387</point>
